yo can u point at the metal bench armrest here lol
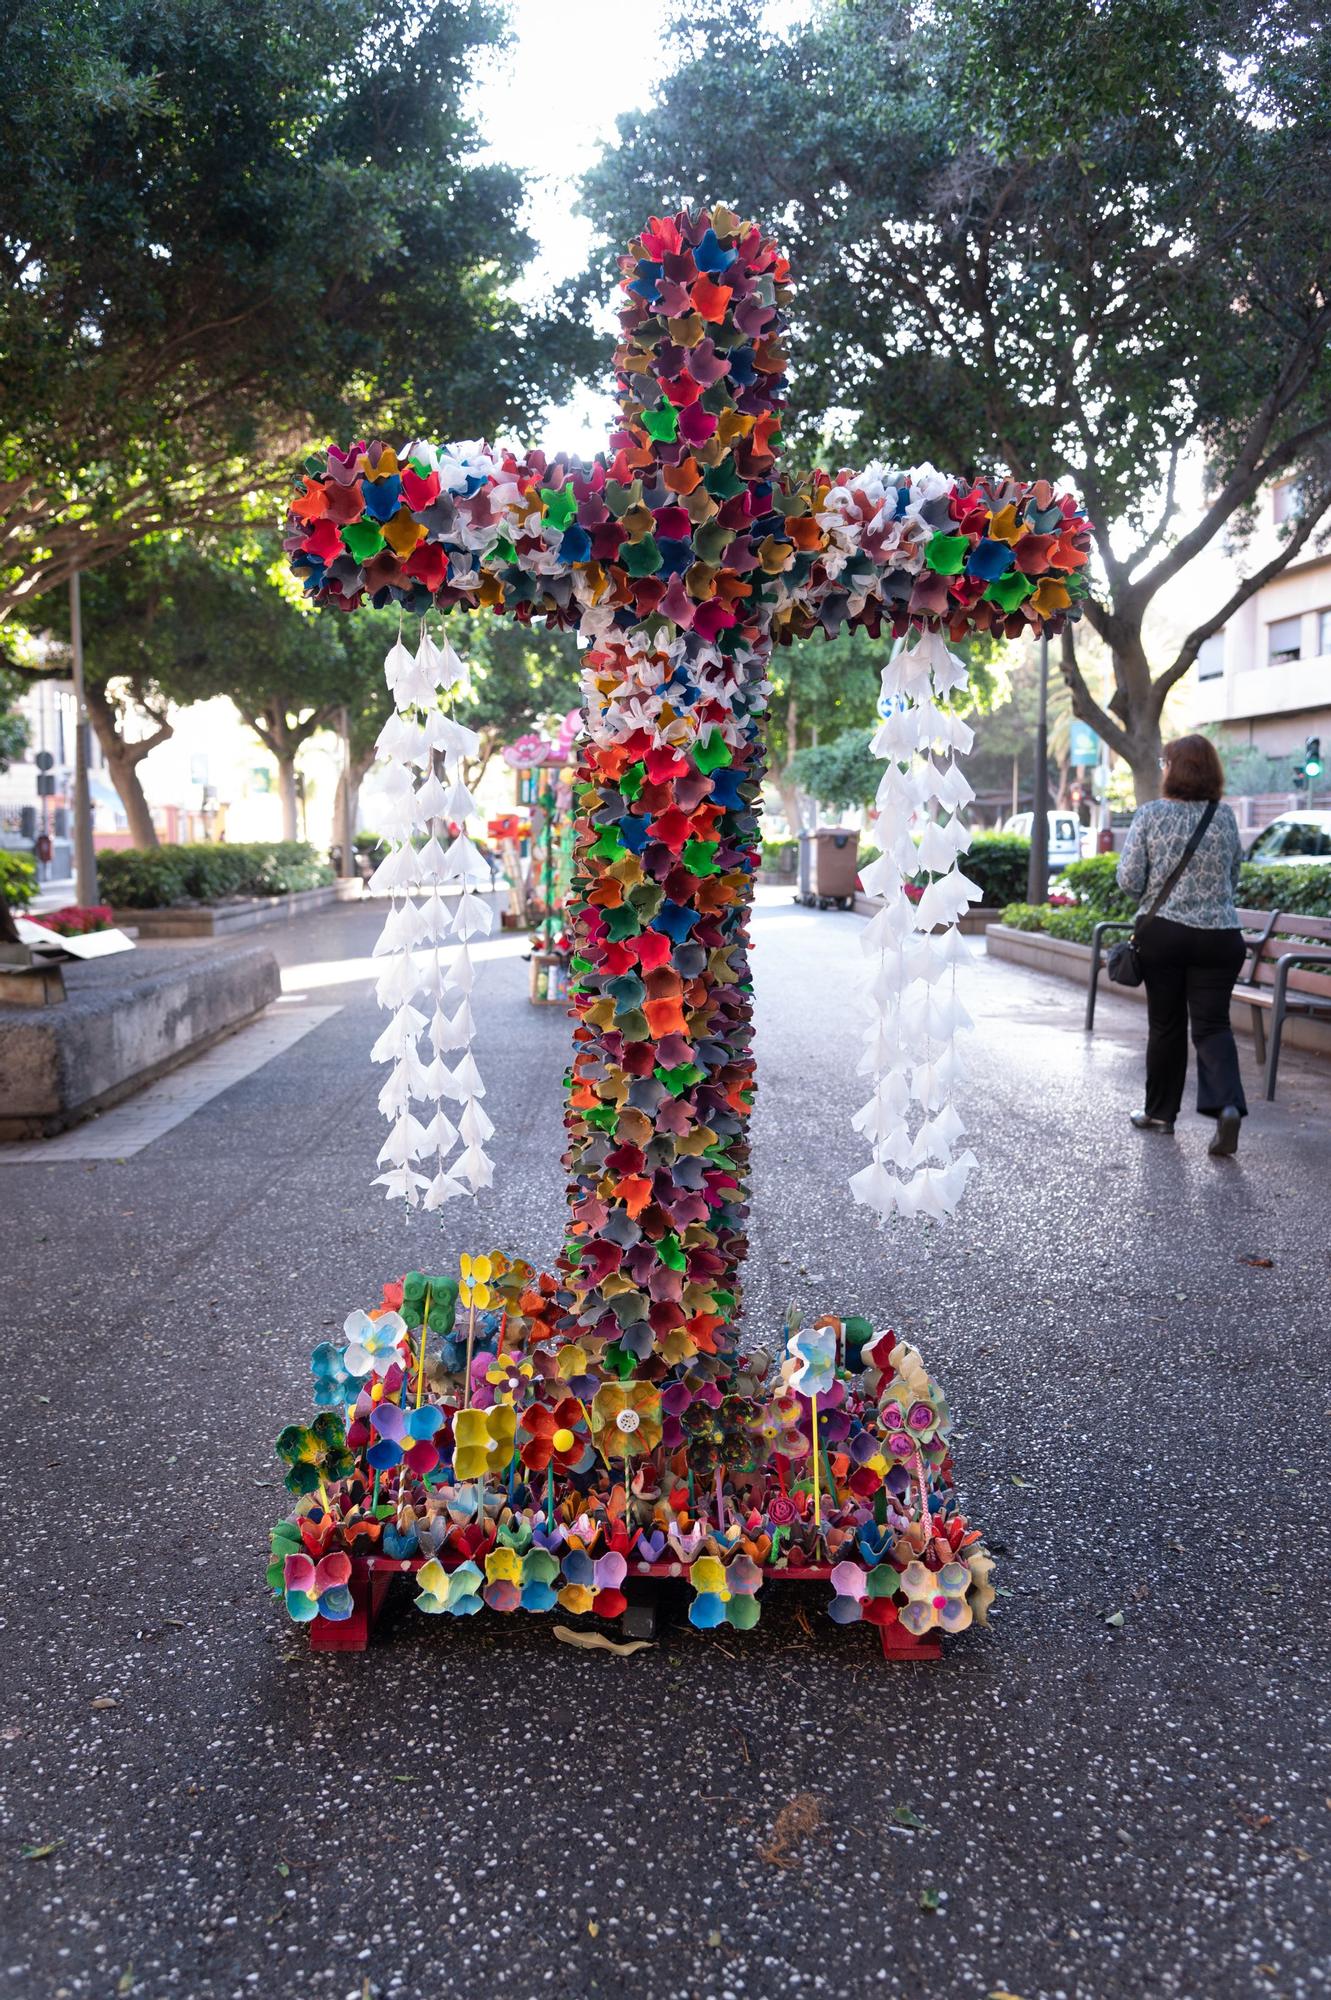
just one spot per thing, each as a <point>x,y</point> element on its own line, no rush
<point>1115,924</point>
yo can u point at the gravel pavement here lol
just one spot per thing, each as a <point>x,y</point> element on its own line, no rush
<point>1135,1339</point>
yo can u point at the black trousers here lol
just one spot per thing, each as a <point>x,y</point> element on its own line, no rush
<point>1190,973</point>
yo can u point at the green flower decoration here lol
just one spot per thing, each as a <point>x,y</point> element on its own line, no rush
<point>316,1451</point>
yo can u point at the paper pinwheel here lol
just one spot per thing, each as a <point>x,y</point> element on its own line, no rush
<point>317,1590</point>
<point>483,1441</point>
<point>626,1419</point>
<point>935,1598</point>
<point>315,1452</point>
<point>457,1591</point>
<point>474,1289</point>
<point>508,1375</point>
<point>404,1435</point>
<point>373,1342</point>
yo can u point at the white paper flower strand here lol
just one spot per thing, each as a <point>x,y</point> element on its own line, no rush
<point>914,1013</point>
<point>437,907</point>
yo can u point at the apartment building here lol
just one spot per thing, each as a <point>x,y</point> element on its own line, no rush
<point>1266,678</point>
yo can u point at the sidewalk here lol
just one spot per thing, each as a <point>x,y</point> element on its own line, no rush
<point>1134,1337</point>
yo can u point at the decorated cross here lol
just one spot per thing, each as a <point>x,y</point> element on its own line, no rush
<point>682,557</point>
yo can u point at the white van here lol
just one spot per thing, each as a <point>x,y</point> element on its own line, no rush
<point>1065,832</point>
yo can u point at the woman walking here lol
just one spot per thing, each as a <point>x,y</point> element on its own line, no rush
<point>1191,949</point>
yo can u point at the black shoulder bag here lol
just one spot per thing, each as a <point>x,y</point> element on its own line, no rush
<point>1124,963</point>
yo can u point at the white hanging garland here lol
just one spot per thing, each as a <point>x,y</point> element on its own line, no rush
<point>910,1052</point>
<point>437,907</point>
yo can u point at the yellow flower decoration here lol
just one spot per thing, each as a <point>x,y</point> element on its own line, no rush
<point>626,1419</point>
<point>507,1374</point>
<point>935,1598</point>
<point>708,1573</point>
<point>475,1287</point>
<point>503,1566</point>
<point>483,1441</point>
<point>571,1361</point>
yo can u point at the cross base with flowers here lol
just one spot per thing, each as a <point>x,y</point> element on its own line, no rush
<point>462,1441</point>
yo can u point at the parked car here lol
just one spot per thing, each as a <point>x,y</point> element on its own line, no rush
<point>1065,832</point>
<point>1295,836</point>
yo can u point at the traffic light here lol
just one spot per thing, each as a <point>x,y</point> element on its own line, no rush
<point>1312,757</point>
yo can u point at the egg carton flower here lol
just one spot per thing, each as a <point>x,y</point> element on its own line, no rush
<point>593,1584</point>
<point>334,1385</point>
<point>559,1436</point>
<point>920,1417</point>
<point>982,1592</point>
<point>404,1436</point>
<point>508,1375</point>
<point>812,1351</point>
<point>317,1590</point>
<point>626,1419</point>
<point>457,1591</point>
<point>483,1441</point>
<point>315,1453</point>
<point>373,1342</point>
<point>935,1598</point>
<point>474,1290</point>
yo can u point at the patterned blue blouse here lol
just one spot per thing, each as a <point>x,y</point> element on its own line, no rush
<point>1156,839</point>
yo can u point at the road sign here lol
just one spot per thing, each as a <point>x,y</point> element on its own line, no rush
<point>45,785</point>
<point>1083,744</point>
<point>44,760</point>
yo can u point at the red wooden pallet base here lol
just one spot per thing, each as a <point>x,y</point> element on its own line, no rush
<point>371,1576</point>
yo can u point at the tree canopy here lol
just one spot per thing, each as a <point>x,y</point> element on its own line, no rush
<point>229,226</point>
<point>1089,241</point>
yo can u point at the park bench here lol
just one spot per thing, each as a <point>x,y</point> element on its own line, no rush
<point>1281,971</point>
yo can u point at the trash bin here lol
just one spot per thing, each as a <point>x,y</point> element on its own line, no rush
<point>829,867</point>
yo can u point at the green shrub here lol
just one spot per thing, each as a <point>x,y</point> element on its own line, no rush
<point>18,878</point>
<point>157,878</point>
<point>779,856</point>
<point>1025,916</point>
<point>999,863</point>
<point>1301,887</point>
<point>1074,924</point>
<point>1094,883</point>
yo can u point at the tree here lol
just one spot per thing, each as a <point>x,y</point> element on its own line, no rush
<point>1090,240</point>
<point>229,226</point>
<point>840,773</point>
<point>13,729</point>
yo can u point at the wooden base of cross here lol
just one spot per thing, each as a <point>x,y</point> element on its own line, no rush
<point>371,1577</point>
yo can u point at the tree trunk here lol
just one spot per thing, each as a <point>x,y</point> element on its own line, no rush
<point>286,786</point>
<point>785,784</point>
<point>349,798</point>
<point>123,760</point>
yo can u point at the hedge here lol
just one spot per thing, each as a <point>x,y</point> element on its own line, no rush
<point>159,878</point>
<point>1299,888</point>
<point>18,878</point>
<point>1000,864</point>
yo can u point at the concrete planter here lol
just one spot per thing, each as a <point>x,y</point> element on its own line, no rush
<point>204,920</point>
<point>971,923</point>
<point>124,1021</point>
<point>1073,962</point>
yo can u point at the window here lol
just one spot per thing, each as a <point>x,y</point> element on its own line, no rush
<point>1211,657</point>
<point>1285,500</point>
<point>1324,631</point>
<point>1282,640</point>
<point>1307,839</point>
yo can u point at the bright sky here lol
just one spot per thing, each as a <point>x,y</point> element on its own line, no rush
<point>547,109</point>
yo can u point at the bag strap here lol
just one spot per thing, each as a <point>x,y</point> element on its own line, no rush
<point>1171,881</point>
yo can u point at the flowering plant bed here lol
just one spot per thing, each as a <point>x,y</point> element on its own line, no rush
<point>463,1441</point>
<point>76,920</point>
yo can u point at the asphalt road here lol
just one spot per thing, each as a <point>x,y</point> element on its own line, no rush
<point>1097,1809</point>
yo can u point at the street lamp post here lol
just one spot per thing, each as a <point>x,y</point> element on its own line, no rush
<point>85,858</point>
<point>1037,879</point>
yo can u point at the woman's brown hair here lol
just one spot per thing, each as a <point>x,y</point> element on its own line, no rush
<point>1193,769</point>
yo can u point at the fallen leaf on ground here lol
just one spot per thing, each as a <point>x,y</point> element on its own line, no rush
<point>1001,1993</point>
<point>798,1816</point>
<point>1259,1263</point>
<point>105,1701</point>
<point>593,1928</point>
<point>714,1940</point>
<point>1114,1618</point>
<point>40,1853</point>
<point>284,1867</point>
<point>929,1901</point>
<point>907,1816</point>
<point>125,1983</point>
<point>598,1642</point>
